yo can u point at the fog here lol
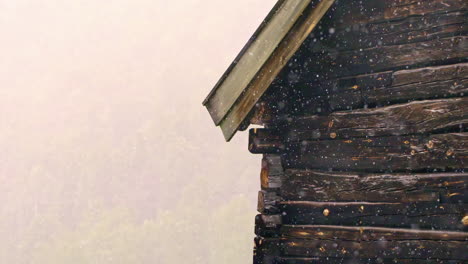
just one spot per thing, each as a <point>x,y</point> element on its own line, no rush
<point>107,153</point>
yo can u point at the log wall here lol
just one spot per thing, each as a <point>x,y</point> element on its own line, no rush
<point>365,140</point>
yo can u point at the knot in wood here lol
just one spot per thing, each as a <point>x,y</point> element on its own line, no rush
<point>465,220</point>
<point>430,144</point>
<point>449,152</point>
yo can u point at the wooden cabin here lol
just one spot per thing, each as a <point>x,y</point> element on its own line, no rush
<point>363,113</point>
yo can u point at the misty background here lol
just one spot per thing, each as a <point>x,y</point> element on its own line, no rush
<point>107,155</point>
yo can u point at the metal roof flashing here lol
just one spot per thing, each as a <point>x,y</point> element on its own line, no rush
<point>266,53</point>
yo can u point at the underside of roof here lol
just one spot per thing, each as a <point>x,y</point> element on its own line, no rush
<point>261,60</point>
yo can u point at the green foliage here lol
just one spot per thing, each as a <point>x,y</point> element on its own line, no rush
<point>116,236</point>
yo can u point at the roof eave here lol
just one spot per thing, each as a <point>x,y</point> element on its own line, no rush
<point>245,102</point>
<point>244,50</point>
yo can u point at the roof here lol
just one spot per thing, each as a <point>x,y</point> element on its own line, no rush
<point>266,53</point>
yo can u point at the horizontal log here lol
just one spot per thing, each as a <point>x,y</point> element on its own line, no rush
<point>265,141</point>
<point>393,32</point>
<point>322,186</point>
<point>350,233</point>
<point>313,67</point>
<point>451,72</point>
<point>266,250</point>
<point>328,260</point>
<point>396,153</point>
<point>403,119</point>
<point>407,215</point>
<point>371,11</point>
<point>372,238</point>
<point>431,82</point>
<point>267,225</point>
<point>424,249</point>
<point>383,88</point>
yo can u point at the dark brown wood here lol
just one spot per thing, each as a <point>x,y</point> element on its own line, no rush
<point>322,186</point>
<point>328,260</point>
<point>381,184</point>
<point>350,233</point>
<point>405,153</point>
<point>424,249</point>
<point>272,173</point>
<point>266,250</point>
<point>407,215</point>
<point>262,113</point>
<point>402,119</point>
<point>265,141</point>
<point>327,65</point>
<point>267,225</point>
<point>393,32</point>
<point>375,56</point>
<point>383,88</point>
<point>264,259</point>
<point>457,86</point>
<point>453,72</point>
<point>267,202</point>
<point>371,11</point>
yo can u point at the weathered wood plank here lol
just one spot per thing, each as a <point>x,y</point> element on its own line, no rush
<point>310,67</point>
<point>393,32</point>
<point>272,107</point>
<point>265,141</point>
<point>407,215</point>
<point>431,74</point>
<point>328,260</point>
<point>397,153</point>
<point>417,91</point>
<point>402,119</point>
<point>272,172</point>
<point>350,233</point>
<point>371,11</point>
<point>424,249</point>
<point>266,250</point>
<point>268,225</point>
<point>383,88</point>
<point>322,186</point>
<point>267,202</point>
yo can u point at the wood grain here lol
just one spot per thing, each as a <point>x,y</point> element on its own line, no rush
<point>407,215</point>
<point>380,89</point>
<point>328,260</point>
<point>367,233</point>
<point>424,249</point>
<point>395,153</point>
<point>327,65</point>
<point>402,119</point>
<point>322,186</point>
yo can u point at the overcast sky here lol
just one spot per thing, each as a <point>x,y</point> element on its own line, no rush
<point>100,107</point>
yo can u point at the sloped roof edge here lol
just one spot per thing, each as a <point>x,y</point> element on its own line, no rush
<point>244,49</point>
<point>276,40</point>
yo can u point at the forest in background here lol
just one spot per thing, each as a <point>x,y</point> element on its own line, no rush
<point>107,153</point>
